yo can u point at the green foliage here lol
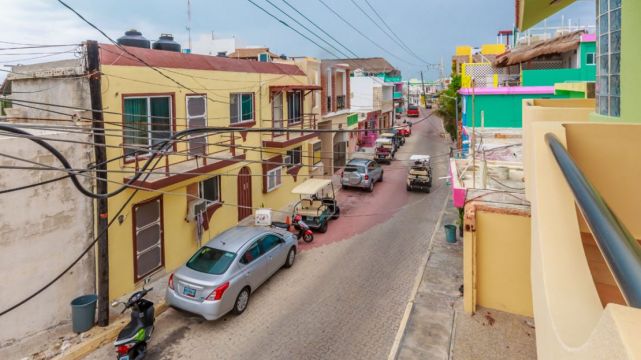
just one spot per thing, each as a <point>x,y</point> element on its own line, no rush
<point>447,105</point>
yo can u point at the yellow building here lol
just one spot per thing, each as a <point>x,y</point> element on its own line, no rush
<point>225,174</point>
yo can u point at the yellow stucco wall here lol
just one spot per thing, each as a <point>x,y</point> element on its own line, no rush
<point>492,49</point>
<point>463,50</point>
<point>497,263</point>
<point>179,235</point>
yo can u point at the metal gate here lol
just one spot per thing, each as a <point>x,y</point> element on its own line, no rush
<point>244,193</point>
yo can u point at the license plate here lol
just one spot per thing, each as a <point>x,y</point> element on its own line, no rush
<point>124,357</point>
<point>189,291</point>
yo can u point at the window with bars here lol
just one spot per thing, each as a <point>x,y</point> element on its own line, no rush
<point>609,57</point>
<point>241,108</point>
<point>147,121</point>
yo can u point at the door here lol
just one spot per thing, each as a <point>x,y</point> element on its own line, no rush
<point>273,248</point>
<point>197,118</point>
<point>255,266</point>
<point>244,193</point>
<point>148,237</point>
<point>340,154</point>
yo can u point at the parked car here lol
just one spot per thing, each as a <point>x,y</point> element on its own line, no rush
<point>221,276</point>
<point>361,173</point>
<point>412,110</point>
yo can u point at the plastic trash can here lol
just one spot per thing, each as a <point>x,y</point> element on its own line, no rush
<point>450,233</point>
<point>83,313</point>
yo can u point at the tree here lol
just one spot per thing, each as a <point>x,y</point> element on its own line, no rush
<point>447,105</point>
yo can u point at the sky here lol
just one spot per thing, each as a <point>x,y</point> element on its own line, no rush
<point>431,28</point>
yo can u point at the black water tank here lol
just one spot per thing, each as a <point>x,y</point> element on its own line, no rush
<point>166,42</point>
<point>134,38</point>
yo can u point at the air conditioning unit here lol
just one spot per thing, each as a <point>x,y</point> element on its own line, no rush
<point>195,207</point>
<point>287,160</point>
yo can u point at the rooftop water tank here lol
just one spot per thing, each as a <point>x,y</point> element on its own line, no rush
<point>134,38</point>
<point>166,42</point>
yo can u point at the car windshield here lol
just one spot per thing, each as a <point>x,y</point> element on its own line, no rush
<point>353,168</point>
<point>412,107</point>
<point>211,261</point>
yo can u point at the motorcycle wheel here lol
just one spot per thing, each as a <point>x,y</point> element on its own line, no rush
<point>308,238</point>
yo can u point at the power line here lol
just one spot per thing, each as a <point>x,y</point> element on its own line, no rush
<point>363,35</point>
<point>320,28</point>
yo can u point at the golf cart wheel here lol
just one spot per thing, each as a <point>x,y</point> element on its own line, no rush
<point>409,188</point>
<point>323,228</point>
<point>427,190</point>
<point>337,213</point>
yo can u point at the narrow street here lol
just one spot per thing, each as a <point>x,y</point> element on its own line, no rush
<point>345,296</point>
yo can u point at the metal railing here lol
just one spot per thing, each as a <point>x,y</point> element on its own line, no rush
<point>340,102</point>
<point>620,249</point>
<point>306,123</point>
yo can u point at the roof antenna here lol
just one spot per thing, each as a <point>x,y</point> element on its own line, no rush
<point>189,22</point>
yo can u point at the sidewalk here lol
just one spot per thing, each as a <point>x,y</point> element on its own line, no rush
<point>437,327</point>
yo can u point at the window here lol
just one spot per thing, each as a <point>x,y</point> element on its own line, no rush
<point>296,155</point>
<point>608,86</point>
<point>197,118</point>
<point>251,254</point>
<point>590,59</point>
<point>269,242</point>
<point>210,189</point>
<point>317,158</point>
<point>211,261</point>
<point>147,122</point>
<point>148,229</point>
<point>241,107</point>
<point>274,178</point>
<point>277,112</point>
<point>294,107</point>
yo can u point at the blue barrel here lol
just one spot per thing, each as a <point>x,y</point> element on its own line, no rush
<point>83,313</point>
<point>450,233</point>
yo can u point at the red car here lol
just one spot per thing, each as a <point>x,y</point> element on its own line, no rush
<point>412,111</point>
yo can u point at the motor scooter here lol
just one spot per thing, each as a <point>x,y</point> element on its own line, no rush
<point>132,340</point>
<point>302,230</point>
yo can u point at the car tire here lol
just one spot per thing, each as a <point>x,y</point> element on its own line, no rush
<point>291,258</point>
<point>242,301</point>
<point>381,178</point>
<point>371,187</point>
<point>323,228</point>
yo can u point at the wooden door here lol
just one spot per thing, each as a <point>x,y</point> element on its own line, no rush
<point>244,193</point>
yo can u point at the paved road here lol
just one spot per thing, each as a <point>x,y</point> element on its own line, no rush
<point>345,296</point>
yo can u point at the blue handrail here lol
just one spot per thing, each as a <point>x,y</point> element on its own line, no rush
<point>620,249</point>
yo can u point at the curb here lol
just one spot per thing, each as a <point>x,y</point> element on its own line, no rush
<point>99,336</point>
<point>417,283</point>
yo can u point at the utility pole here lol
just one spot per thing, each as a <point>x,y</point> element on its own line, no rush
<point>93,68</point>
<point>423,89</point>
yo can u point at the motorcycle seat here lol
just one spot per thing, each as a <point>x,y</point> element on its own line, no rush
<point>130,330</point>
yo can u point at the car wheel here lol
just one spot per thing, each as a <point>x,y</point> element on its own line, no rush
<point>371,187</point>
<point>323,228</point>
<point>291,257</point>
<point>381,178</point>
<point>428,190</point>
<point>242,300</point>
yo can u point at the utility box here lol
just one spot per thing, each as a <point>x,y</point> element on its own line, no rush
<point>263,217</point>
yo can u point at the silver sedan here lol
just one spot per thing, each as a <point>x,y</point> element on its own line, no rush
<point>221,276</point>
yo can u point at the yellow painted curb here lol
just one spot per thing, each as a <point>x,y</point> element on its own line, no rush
<point>99,336</point>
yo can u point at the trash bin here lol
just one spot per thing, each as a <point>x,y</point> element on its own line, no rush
<point>450,233</point>
<point>83,313</point>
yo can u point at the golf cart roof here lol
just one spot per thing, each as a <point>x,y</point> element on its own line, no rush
<point>386,135</point>
<point>416,157</point>
<point>383,141</point>
<point>311,186</point>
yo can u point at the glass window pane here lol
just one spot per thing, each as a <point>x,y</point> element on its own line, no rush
<point>603,85</point>
<point>603,44</point>
<point>615,66</point>
<point>135,124</point>
<point>196,106</point>
<point>603,105</point>
<point>614,85</point>
<point>615,106</point>
<point>247,107</point>
<point>604,65</point>
<point>233,108</point>
<point>615,20</point>
<point>210,189</point>
<point>160,119</point>
<point>603,24</point>
<point>211,261</point>
<point>603,6</point>
<point>615,41</point>
<point>268,242</point>
<point>614,4</point>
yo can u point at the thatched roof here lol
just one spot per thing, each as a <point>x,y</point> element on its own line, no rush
<point>557,45</point>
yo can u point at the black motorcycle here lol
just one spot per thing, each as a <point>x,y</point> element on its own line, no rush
<point>131,343</point>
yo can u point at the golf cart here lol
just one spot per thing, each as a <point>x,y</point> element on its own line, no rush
<point>398,134</point>
<point>317,204</point>
<point>385,150</point>
<point>395,140</point>
<point>419,176</point>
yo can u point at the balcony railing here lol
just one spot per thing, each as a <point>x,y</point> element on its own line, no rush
<point>278,138</point>
<point>620,249</point>
<point>340,102</point>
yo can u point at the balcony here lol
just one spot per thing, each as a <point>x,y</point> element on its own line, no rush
<point>179,165</point>
<point>586,270</point>
<point>340,102</point>
<point>280,139</point>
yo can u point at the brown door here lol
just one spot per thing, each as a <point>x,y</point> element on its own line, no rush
<point>244,193</point>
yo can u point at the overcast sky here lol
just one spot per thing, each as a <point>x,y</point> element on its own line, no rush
<point>432,28</point>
